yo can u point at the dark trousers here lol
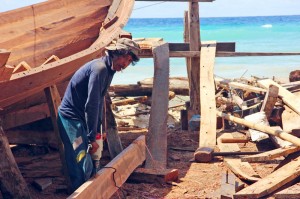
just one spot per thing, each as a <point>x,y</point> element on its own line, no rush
<point>78,160</point>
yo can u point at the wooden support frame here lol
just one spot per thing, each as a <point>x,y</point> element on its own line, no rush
<point>194,73</point>
<point>157,136</point>
<point>114,174</point>
<point>207,137</point>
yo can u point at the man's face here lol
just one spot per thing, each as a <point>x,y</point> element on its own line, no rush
<point>121,62</point>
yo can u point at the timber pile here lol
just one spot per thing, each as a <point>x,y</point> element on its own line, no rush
<point>259,109</point>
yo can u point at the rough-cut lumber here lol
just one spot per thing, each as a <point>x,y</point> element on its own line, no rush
<point>25,116</point>
<point>114,174</point>
<point>288,98</point>
<point>157,135</point>
<point>270,100</point>
<point>220,46</point>
<point>208,135</point>
<point>195,42</point>
<point>271,182</point>
<point>242,169</point>
<point>113,140</point>
<point>283,135</point>
<point>292,192</point>
<point>12,184</point>
<point>269,155</point>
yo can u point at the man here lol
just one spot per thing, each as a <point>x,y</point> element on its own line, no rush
<point>80,113</point>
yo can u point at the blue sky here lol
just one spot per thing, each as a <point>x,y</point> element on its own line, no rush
<point>218,8</point>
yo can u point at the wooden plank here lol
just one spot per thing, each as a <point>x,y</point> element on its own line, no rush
<point>290,119</point>
<point>157,135</point>
<point>114,174</point>
<point>271,182</point>
<point>270,155</point>
<point>194,29</point>
<point>288,98</point>
<point>54,100</point>
<point>29,137</point>
<point>25,116</point>
<point>220,46</point>
<point>113,140</point>
<point>277,141</point>
<point>208,122</point>
<point>242,169</point>
<point>292,192</point>
<point>10,173</point>
<point>270,100</point>
<point>242,54</point>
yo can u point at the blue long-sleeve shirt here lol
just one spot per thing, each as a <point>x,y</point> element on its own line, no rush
<point>83,99</point>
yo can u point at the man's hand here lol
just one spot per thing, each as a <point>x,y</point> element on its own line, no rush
<point>94,148</point>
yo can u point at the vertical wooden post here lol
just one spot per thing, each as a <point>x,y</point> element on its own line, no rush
<point>12,183</point>
<point>194,39</point>
<point>54,100</point>
<point>208,121</point>
<point>270,100</point>
<point>157,137</point>
<point>113,140</point>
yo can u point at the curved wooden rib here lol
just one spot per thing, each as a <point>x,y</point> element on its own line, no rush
<point>30,82</point>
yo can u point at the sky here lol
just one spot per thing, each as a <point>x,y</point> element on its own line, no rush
<point>217,8</point>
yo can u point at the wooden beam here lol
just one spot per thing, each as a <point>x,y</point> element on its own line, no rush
<point>6,72</point>
<point>208,122</point>
<point>108,180</point>
<point>288,98</point>
<point>220,46</point>
<point>194,29</point>
<point>246,87</point>
<point>113,140</point>
<point>29,137</point>
<point>25,116</point>
<point>272,182</point>
<point>270,155</point>
<point>270,100</point>
<point>12,183</point>
<point>157,135</point>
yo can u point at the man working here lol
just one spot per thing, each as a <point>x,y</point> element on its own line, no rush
<point>80,113</point>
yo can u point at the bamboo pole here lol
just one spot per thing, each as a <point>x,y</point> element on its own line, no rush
<point>283,135</point>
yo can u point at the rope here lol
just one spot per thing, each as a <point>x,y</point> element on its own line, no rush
<point>149,5</point>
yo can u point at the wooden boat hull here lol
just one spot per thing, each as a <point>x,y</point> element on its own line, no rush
<point>25,84</point>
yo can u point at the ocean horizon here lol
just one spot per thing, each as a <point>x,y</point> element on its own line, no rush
<point>251,34</point>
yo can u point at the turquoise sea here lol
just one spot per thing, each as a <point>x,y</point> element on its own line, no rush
<point>251,34</point>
